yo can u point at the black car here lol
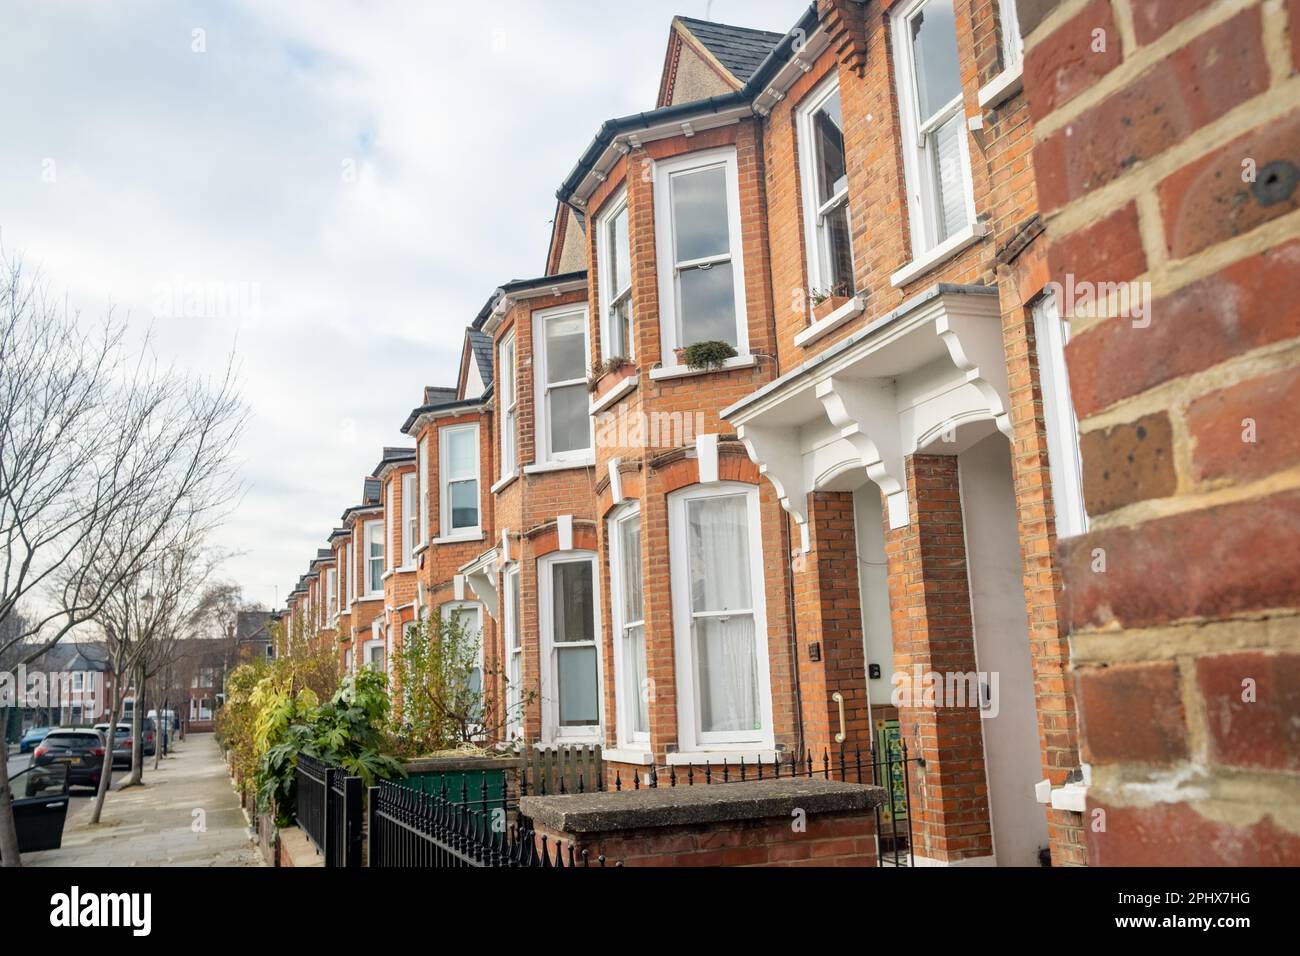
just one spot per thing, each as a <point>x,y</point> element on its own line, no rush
<point>121,743</point>
<point>81,750</point>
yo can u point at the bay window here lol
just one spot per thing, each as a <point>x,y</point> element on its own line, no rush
<point>1013,46</point>
<point>940,203</point>
<point>614,251</point>
<point>631,690</point>
<point>410,520</point>
<point>569,641</point>
<point>459,476</point>
<point>331,593</point>
<point>825,181</point>
<point>701,275</point>
<point>564,422</point>
<point>509,406</point>
<point>373,540</point>
<point>391,558</point>
<point>720,629</point>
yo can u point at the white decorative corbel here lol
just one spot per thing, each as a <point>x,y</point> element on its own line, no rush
<point>779,458</point>
<point>866,413</point>
<point>458,587</point>
<point>615,482</point>
<point>706,454</point>
<point>974,343</point>
<point>564,532</point>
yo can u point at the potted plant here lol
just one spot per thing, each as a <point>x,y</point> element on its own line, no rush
<point>705,355</point>
<point>607,374</point>
<point>826,301</point>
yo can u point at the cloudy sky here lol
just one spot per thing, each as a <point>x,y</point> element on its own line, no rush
<point>346,182</point>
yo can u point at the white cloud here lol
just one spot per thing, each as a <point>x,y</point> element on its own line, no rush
<point>227,167</point>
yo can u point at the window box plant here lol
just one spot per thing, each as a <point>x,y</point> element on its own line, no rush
<point>825,303</point>
<point>609,373</point>
<point>705,355</point>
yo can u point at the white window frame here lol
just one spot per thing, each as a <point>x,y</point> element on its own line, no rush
<point>368,532</point>
<point>609,296</point>
<point>352,568</point>
<point>445,480</point>
<point>689,735</point>
<point>331,592</point>
<point>347,660</point>
<point>390,520</point>
<point>1065,462</point>
<point>542,453</point>
<point>625,695</point>
<point>445,612</point>
<point>552,732</point>
<point>1013,45</point>
<point>422,450</point>
<point>509,406</point>
<point>815,241</point>
<point>410,521</point>
<point>512,641</point>
<point>922,208</point>
<point>669,268</point>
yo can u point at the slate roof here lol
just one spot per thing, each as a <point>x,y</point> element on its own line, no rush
<point>370,494</point>
<point>481,343</point>
<point>437,395</point>
<point>251,625</point>
<point>392,456</point>
<point>739,49</point>
<point>71,656</point>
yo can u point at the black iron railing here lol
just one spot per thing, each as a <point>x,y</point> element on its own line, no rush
<point>891,770</point>
<point>329,811</point>
<point>410,828</point>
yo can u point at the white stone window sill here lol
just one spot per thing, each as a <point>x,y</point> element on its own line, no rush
<point>714,758</point>
<point>628,755</point>
<point>544,467</point>
<point>848,310</point>
<point>458,538</point>
<point>580,741</point>
<point>420,550</point>
<point>685,371</point>
<point>1002,87</point>
<point>369,598</point>
<point>939,254</point>
<point>505,480</point>
<point>614,394</point>
<point>405,569</point>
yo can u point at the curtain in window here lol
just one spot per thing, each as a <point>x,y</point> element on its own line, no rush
<point>725,653</point>
<point>633,629</point>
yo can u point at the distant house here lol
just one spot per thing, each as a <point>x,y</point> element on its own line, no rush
<point>253,635</point>
<point>70,684</point>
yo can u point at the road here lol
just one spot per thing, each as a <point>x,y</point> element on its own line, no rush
<point>17,761</point>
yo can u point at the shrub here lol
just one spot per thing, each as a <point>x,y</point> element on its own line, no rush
<point>703,355</point>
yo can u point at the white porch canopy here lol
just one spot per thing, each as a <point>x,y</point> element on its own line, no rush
<point>912,378</point>
<point>480,574</point>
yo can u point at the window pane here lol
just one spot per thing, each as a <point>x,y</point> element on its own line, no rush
<point>508,373</point>
<point>377,575</point>
<point>829,141</point>
<point>727,674</point>
<point>570,424</point>
<point>700,213</point>
<point>576,680</point>
<point>462,453</point>
<point>951,207</point>
<point>513,637</point>
<point>635,658</point>
<point>464,504</point>
<point>708,305</point>
<point>566,348</point>
<point>718,532</point>
<point>508,438</point>
<point>934,51</point>
<point>839,257</point>
<point>573,604</point>
<point>630,554</point>
<point>620,328</point>
<point>620,269</point>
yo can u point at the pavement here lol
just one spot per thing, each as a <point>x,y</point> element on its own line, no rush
<point>186,814</point>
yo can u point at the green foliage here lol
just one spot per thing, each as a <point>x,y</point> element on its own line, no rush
<point>346,732</point>
<point>703,355</point>
<point>447,700</point>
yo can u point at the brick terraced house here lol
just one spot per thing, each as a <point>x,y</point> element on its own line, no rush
<point>780,454</point>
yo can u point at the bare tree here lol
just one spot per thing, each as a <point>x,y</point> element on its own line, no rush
<point>107,459</point>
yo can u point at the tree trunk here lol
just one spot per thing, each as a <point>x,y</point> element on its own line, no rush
<point>8,830</point>
<point>159,733</point>
<point>106,772</point>
<point>137,732</point>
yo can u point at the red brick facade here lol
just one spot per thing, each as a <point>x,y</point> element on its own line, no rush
<point>900,440</point>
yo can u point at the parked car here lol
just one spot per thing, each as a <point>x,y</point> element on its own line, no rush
<point>149,733</point>
<point>30,739</point>
<point>40,801</point>
<point>121,743</point>
<point>80,749</point>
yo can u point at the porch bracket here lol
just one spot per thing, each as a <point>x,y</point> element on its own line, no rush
<point>866,415</point>
<point>975,345</point>
<point>480,575</point>
<point>780,460</point>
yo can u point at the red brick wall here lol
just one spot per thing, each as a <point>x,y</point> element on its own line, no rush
<point>1171,158</point>
<point>832,839</point>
